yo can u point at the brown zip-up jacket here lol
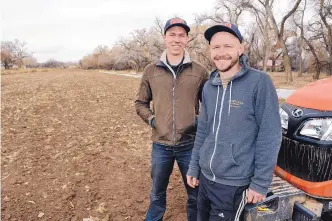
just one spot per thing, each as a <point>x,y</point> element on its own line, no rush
<point>175,99</point>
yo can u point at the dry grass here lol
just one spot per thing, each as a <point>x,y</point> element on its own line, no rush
<point>125,71</point>
<point>22,71</point>
<point>282,100</point>
<point>120,72</point>
<point>14,71</point>
<point>279,79</point>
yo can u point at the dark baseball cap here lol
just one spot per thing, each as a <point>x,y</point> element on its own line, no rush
<point>230,28</point>
<point>176,22</point>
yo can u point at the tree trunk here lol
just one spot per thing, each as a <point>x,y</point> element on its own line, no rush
<point>266,59</point>
<point>300,74</point>
<point>266,55</point>
<point>318,66</point>
<point>300,52</point>
<point>328,41</point>
<point>267,43</point>
<point>301,41</point>
<point>286,61</point>
<point>329,69</point>
<point>273,69</point>
<point>316,75</point>
<point>279,34</point>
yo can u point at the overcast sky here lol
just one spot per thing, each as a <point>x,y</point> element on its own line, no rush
<point>66,30</point>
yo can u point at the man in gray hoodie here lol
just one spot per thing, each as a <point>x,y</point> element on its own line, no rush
<point>239,132</point>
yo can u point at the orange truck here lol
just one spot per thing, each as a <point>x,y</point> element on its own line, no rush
<point>301,189</point>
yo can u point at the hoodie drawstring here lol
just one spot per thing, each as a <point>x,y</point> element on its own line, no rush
<point>230,99</point>
<point>215,110</point>
<point>218,127</point>
<point>229,104</point>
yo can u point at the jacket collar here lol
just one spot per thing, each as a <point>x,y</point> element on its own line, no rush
<point>163,61</point>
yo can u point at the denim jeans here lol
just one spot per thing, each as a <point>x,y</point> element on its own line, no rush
<point>163,158</point>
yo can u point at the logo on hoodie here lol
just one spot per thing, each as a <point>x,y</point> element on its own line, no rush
<point>236,103</point>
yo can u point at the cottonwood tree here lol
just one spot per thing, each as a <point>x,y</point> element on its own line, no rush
<point>279,31</point>
<point>325,13</point>
<point>13,53</point>
<point>299,22</point>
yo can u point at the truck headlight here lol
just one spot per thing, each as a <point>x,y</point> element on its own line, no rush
<point>284,118</point>
<point>320,128</point>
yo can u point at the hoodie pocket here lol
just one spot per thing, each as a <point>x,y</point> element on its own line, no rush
<point>205,154</point>
<point>223,162</point>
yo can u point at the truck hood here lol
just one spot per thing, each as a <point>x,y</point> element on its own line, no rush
<point>316,95</point>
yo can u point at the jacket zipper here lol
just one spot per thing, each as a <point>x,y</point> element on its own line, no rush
<point>173,103</point>
<point>174,110</point>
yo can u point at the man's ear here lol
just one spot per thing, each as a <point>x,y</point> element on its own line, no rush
<point>241,49</point>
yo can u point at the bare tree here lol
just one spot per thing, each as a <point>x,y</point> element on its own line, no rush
<point>325,13</point>
<point>14,52</point>
<point>231,10</point>
<point>142,48</point>
<point>101,49</point>
<point>197,45</point>
<point>317,62</point>
<point>253,48</point>
<point>17,50</point>
<point>318,36</point>
<point>158,26</point>
<point>52,63</point>
<point>300,16</point>
<point>264,30</point>
<point>279,33</point>
<point>225,11</point>
<point>7,59</point>
<point>89,62</point>
<point>30,62</point>
<point>313,38</point>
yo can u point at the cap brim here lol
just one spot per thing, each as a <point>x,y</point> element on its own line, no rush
<point>186,27</point>
<point>218,28</point>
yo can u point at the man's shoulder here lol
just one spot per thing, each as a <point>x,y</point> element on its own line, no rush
<point>149,69</point>
<point>260,79</point>
<point>257,74</point>
<point>150,66</point>
<point>198,65</point>
<point>199,68</point>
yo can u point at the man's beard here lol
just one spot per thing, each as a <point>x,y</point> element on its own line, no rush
<point>232,64</point>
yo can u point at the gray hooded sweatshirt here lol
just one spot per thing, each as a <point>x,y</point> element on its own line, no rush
<point>239,130</point>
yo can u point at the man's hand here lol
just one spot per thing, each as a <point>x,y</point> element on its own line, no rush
<point>253,197</point>
<point>192,181</point>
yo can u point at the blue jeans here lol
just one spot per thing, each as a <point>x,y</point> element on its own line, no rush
<point>163,158</point>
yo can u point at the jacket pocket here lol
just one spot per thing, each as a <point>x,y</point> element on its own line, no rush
<point>224,164</point>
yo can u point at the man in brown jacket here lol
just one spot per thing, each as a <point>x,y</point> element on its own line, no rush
<point>174,84</point>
